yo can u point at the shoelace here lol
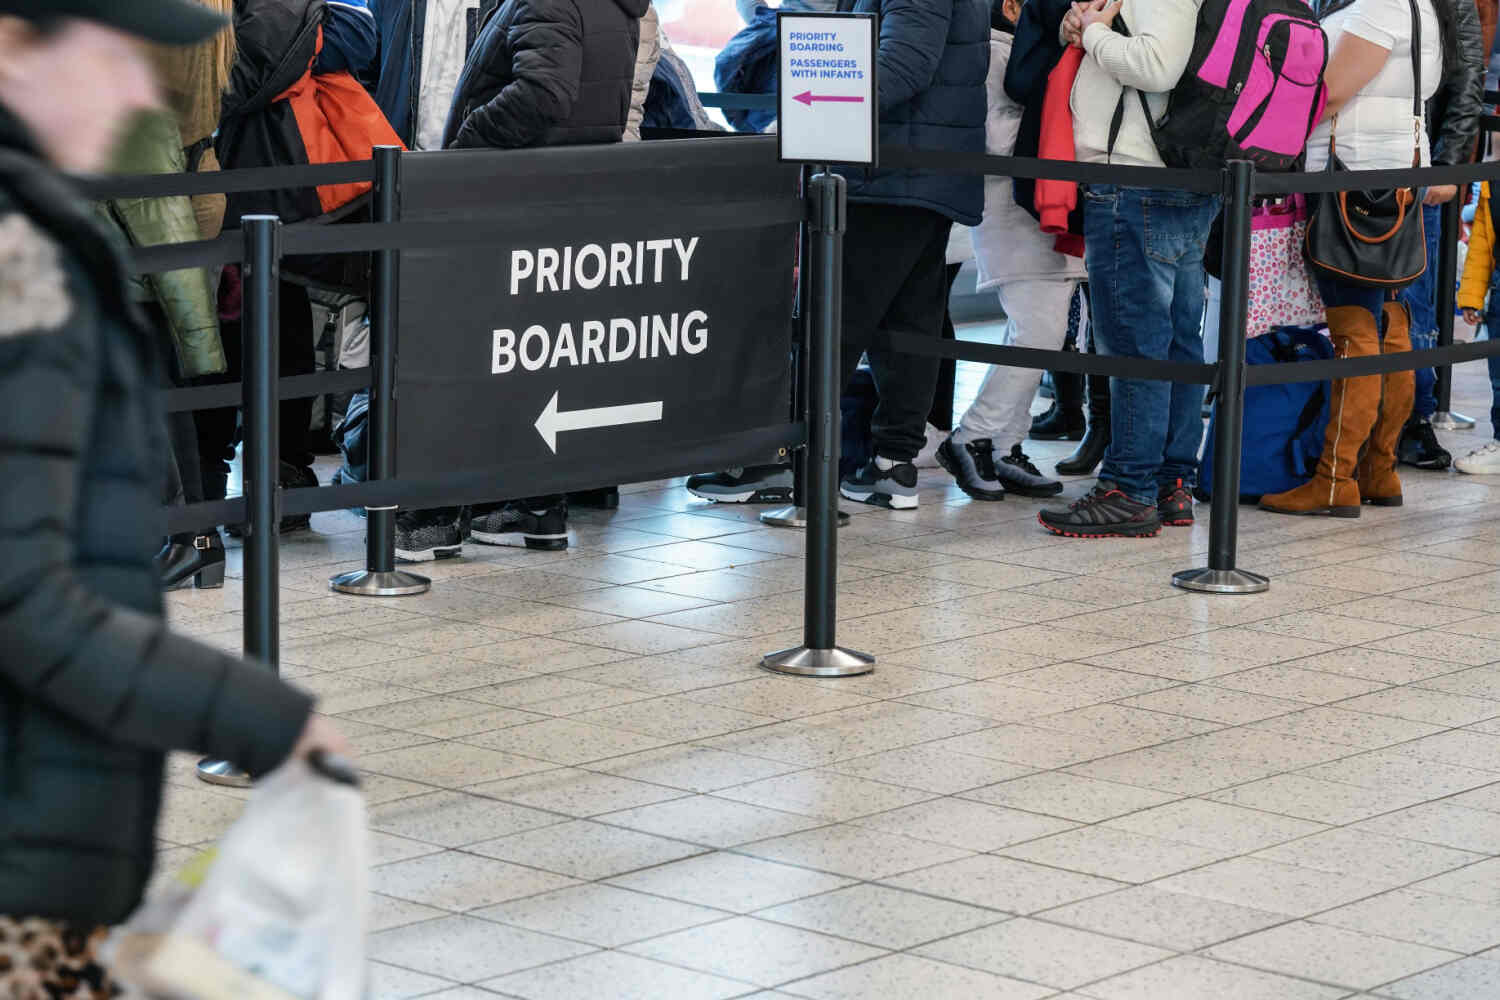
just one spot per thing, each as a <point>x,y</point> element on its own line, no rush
<point>1018,458</point>
<point>984,458</point>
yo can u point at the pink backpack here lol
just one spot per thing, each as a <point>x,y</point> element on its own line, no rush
<point>1253,89</point>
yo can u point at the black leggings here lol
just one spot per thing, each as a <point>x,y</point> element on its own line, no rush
<point>218,430</point>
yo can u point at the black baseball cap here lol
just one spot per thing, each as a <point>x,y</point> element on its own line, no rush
<point>170,22</point>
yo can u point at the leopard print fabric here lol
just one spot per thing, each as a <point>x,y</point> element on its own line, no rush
<point>50,960</point>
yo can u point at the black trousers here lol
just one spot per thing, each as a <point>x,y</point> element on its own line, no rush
<point>895,279</point>
<point>218,430</point>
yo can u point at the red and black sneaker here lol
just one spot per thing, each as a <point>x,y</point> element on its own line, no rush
<point>1104,513</point>
<point>1174,506</point>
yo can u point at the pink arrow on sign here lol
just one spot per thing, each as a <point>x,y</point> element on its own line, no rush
<point>808,97</point>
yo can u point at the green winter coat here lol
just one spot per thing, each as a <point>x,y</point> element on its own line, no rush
<point>154,146</point>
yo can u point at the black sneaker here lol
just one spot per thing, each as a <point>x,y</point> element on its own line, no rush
<point>1419,447</point>
<point>540,523</point>
<point>424,535</point>
<point>752,484</point>
<point>972,467</point>
<point>894,487</point>
<point>1023,478</point>
<point>1174,506</point>
<point>1104,513</point>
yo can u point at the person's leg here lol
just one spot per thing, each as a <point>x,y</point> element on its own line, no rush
<point>1378,482</point>
<point>1000,417</point>
<point>1355,316</point>
<point>941,413</point>
<point>1090,451</point>
<point>894,278</point>
<point>298,357</point>
<point>1421,300</point>
<point>907,382</point>
<point>217,428</point>
<point>1133,293</point>
<point>1179,464</point>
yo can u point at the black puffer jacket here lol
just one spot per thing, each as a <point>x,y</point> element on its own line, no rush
<point>548,73</point>
<point>93,688</point>
<point>1456,108</point>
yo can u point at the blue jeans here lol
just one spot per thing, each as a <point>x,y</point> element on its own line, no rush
<point>1145,263</point>
<point>1421,299</point>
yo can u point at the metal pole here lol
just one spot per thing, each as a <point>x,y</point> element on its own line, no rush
<point>1447,294</point>
<point>795,514</point>
<point>1221,576</point>
<point>380,578</point>
<point>260,458</point>
<point>818,656</point>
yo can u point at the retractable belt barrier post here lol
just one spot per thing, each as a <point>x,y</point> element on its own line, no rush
<point>380,578</point>
<point>819,656</point>
<point>1221,576</point>
<point>794,515</point>
<point>1447,295</point>
<point>262,458</point>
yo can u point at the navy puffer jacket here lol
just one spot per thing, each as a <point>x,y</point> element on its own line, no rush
<point>934,57</point>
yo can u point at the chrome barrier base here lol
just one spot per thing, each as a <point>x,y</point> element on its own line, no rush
<point>805,662</point>
<point>793,517</point>
<point>221,772</point>
<point>1221,581</point>
<point>1445,421</point>
<point>372,583</point>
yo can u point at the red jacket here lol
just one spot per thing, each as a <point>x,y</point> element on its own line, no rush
<point>1055,200</point>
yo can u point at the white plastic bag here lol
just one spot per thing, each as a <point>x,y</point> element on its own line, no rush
<point>281,912</point>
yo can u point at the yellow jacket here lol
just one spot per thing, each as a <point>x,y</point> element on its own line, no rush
<point>1480,265</point>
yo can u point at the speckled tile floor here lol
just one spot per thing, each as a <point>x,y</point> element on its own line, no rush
<point>1065,779</point>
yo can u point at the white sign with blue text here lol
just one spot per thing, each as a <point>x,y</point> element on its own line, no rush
<point>827,88</point>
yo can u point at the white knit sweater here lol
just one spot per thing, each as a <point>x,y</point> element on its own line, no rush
<point>1151,60</point>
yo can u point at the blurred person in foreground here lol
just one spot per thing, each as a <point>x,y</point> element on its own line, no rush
<point>94,690</point>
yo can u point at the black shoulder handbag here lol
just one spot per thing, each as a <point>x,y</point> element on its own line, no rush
<point>1373,239</point>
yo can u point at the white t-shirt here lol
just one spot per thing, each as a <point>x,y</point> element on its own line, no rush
<point>1375,128</point>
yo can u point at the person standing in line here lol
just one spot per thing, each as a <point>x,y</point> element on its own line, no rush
<point>1454,112</point>
<point>277,41</point>
<point>181,305</point>
<point>932,62</point>
<point>1479,298</point>
<point>1145,262</point>
<point>1035,284</point>
<point>541,73</point>
<point>1370,97</point>
<point>94,688</point>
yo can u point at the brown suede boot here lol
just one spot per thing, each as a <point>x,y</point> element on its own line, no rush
<point>1355,406</point>
<point>1378,483</point>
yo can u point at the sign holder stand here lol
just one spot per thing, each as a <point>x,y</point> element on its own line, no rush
<point>819,655</point>
<point>380,577</point>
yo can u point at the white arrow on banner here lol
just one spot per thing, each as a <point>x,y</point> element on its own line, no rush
<point>552,421</point>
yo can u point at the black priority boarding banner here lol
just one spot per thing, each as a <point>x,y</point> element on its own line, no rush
<point>633,299</point>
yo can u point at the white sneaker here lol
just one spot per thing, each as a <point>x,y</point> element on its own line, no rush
<point>1482,461</point>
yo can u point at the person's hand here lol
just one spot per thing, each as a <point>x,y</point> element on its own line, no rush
<point>1072,26</point>
<point>320,733</point>
<point>1440,195</point>
<point>1099,12</point>
<point>1472,317</point>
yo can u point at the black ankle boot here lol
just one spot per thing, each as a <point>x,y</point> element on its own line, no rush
<point>1090,453</point>
<point>1064,422</point>
<point>185,558</point>
<point>604,498</point>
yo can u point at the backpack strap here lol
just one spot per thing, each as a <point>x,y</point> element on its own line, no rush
<point>1118,121</point>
